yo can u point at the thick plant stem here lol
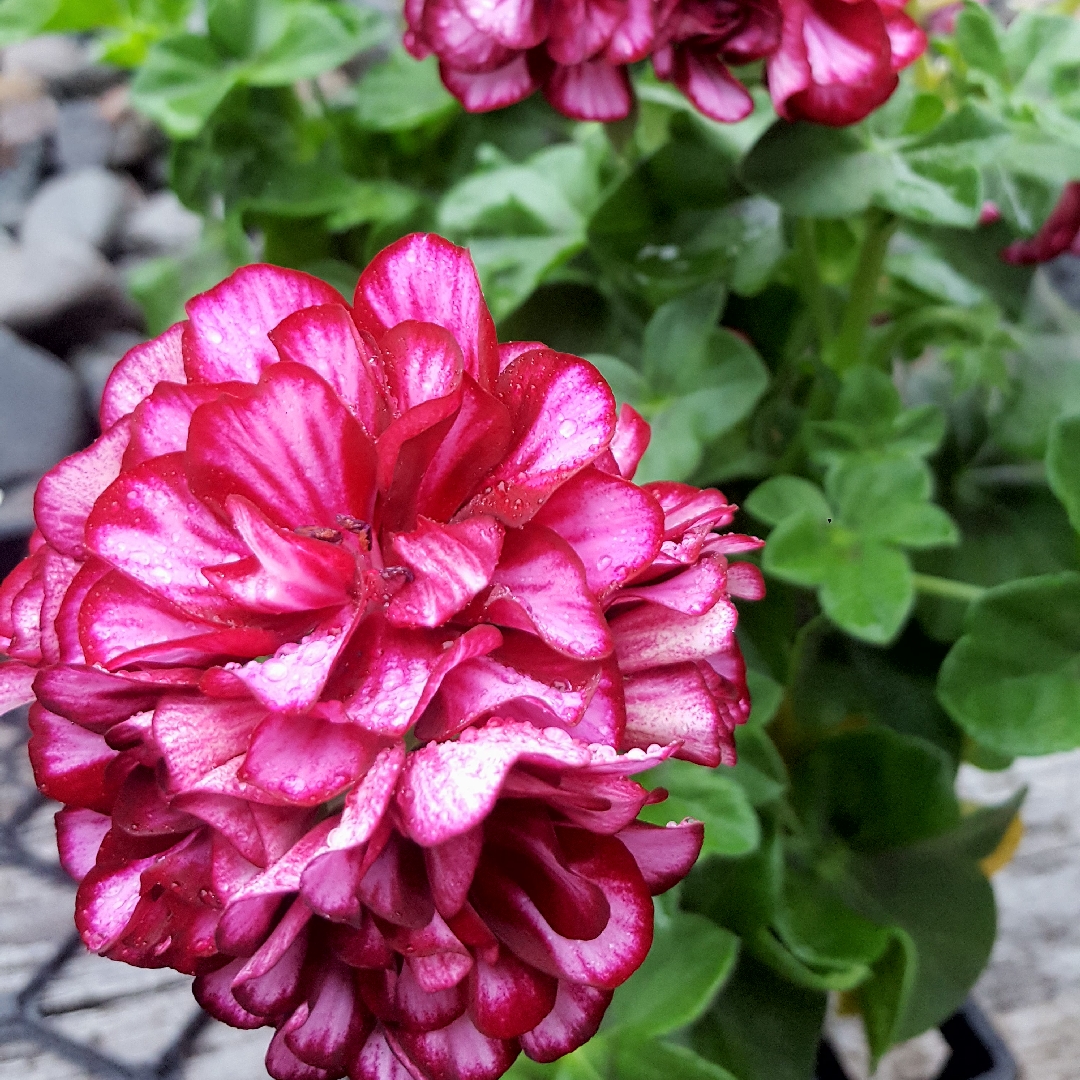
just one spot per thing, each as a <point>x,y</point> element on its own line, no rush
<point>812,289</point>
<point>948,589</point>
<point>847,349</point>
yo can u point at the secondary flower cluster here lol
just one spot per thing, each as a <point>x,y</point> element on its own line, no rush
<point>830,61</point>
<point>345,640</point>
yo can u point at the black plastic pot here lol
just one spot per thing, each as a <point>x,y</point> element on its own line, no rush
<point>978,1052</point>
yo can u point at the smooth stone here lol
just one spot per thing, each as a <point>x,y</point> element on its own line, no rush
<point>41,412</point>
<point>89,204</point>
<point>17,509</point>
<point>40,281</point>
<point>162,225</point>
<point>83,136</point>
<point>19,181</point>
<point>94,363</point>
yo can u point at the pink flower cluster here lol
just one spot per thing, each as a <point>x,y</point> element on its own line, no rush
<point>344,641</point>
<point>830,61</point>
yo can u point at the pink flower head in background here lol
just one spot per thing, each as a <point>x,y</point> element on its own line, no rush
<point>699,38</point>
<point>830,61</point>
<point>1060,232</point>
<point>838,59</point>
<point>576,51</point>
<point>345,640</point>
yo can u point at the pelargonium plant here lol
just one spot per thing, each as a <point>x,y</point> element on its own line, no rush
<point>830,61</point>
<point>344,641</point>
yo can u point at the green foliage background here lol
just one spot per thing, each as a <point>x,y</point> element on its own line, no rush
<point>813,318</point>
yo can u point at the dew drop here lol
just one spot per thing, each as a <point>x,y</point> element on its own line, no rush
<point>603,562</point>
<point>567,428</point>
<point>275,670</point>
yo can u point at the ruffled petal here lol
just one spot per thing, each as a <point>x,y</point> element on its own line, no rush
<point>426,278</point>
<point>149,526</point>
<point>593,90</point>
<point>459,1052</point>
<point>226,337</point>
<point>630,440</point>
<point>71,764</point>
<point>606,960</point>
<point>703,77</point>
<point>673,704</point>
<point>139,371</point>
<point>326,339</point>
<point>573,1021</point>
<point>290,447</point>
<point>614,527</point>
<point>563,417</point>
<point>651,635</point>
<point>79,834</point>
<point>541,585</point>
<point>450,564</point>
<point>664,854</point>
<point>16,685</point>
<point>66,493</point>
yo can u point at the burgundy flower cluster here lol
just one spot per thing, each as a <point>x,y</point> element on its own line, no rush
<point>344,641</point>
<point>830,61</point>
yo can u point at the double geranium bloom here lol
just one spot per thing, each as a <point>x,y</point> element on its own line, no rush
<point>830,61</point>
<point>346,638</point>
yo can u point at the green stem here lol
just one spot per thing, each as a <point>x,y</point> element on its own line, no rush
<point>812,289</point>
<point>948,589</point>
<point>848,347</point>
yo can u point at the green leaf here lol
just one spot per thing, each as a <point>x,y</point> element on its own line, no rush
<point>875,789</point>
<point>402,94</point>
<point>946,906</point>
<point>761,1027</point>
<point>511,268</point>
<point>866,586</point>
<point>1012,681</point>
<point>782,497</point>
<point>662,1061</point>
<point>814,171</point>
<point>302,40</point>
<point>20,19</point>
<point>712,796</point>
<point>689,961</point>
<point>740,894</point>
<point>183,81</point>
<point>1063,465</point>
<point>233,25</point>
<point>760,769</point>
<point>977,40</point>
<point>373,202</point>
<point>673,349</point>
<point>766,694</point>
<point>886,499</point>
<point>883,998</point>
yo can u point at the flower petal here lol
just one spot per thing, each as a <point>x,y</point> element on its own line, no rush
<point>630,441</point>
<point>652,635</point>
<point>139,371</point>
<point>614,527</point>
<point>149,526</point>
<point>16,682</point>
<point>71,764</point>
<point>592,90</point>
<point>459,1052</point>
<point>159,425</point>
<point>673,704</point>
<point>664,854</point>
<point>573,1021</point>
<point>563,416</point>
<point>78,837</point>
<point>606,960</point>
<point>426,278</point>
<point>509,998</point>
<point>196,735</point>
<point>66,493</point>
<point>540,584</point>
<point>450,565</point>
<point>704,78</point>
<point>450,787</point>
<point>306,760</point>
<point>325,338</point>
<point>226,337</point>
<point>366,803</point>
<point>290,447</point>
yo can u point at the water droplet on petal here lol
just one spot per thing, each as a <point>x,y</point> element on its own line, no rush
<point>567,428</point>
